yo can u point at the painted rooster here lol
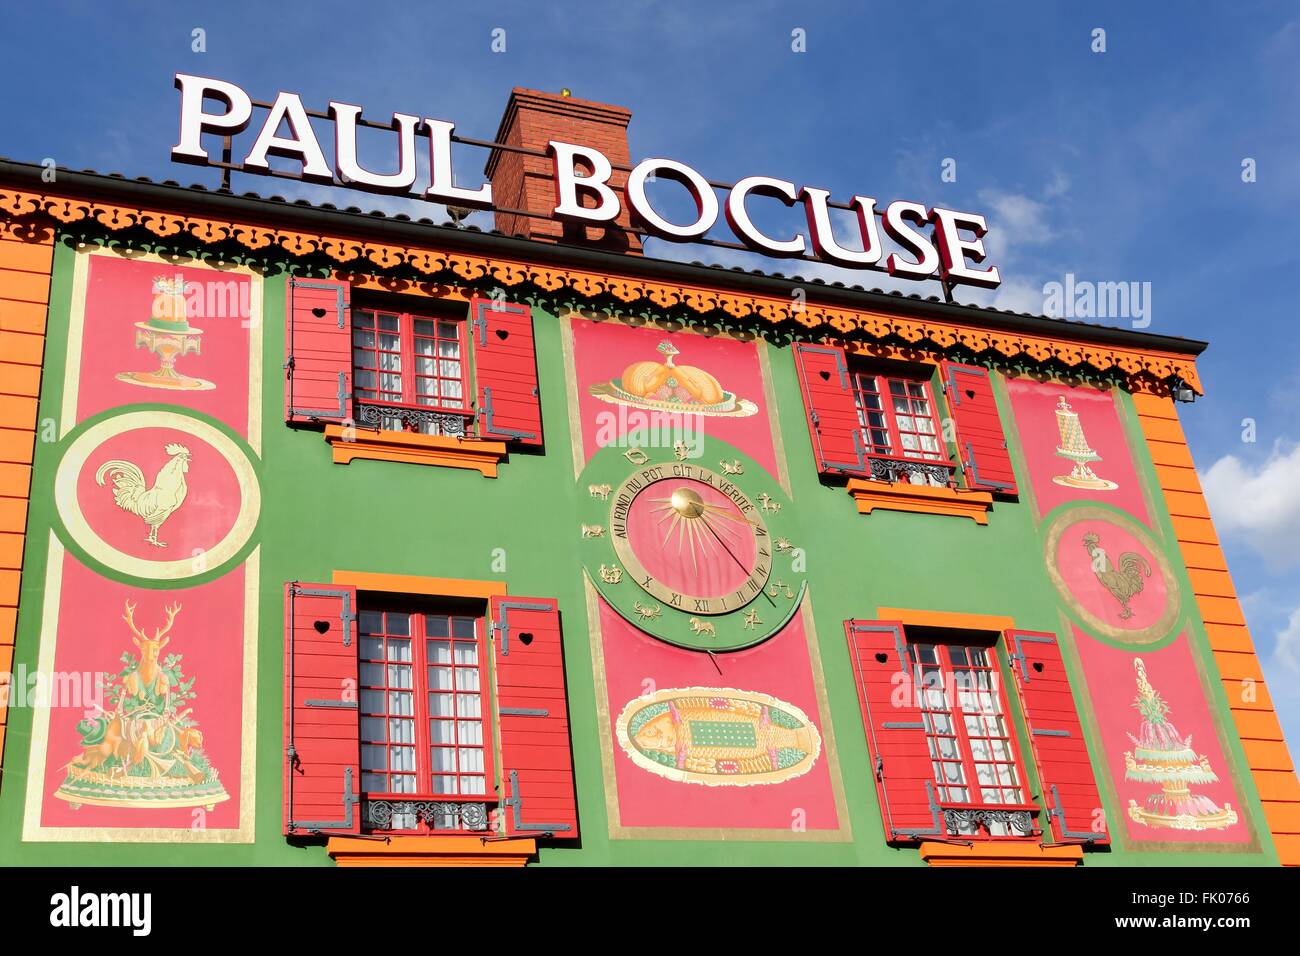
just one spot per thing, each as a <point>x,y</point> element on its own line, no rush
<point>155,505</point>
<point>1125,583</point>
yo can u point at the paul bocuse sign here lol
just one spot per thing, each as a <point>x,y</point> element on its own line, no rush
<point>583,193</point>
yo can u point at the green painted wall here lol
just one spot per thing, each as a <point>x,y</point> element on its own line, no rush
<point>410,519</point>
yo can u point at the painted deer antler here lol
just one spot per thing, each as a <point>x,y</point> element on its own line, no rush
<point>129,617</point>
<point>171,613</point>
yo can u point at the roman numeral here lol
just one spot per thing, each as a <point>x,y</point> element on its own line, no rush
<point>676,600</point>
<point>701,605</point>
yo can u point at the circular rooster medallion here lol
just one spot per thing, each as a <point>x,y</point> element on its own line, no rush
<point>157,494</point>
<point>690,543</point>
<point>1111,573</point>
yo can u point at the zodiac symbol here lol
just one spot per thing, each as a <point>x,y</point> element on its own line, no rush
<point>775,588</point>
<point>783,545</point>
<point>703,627</point>
<point>646,613</point>
<point>768,503</point>
<point>732,467</point>
<point>599,491</point>
<point>593,531</point>
<point>681,450</point>
<point>636,456</point>
<point>611,575</point>
<point>751,619</point>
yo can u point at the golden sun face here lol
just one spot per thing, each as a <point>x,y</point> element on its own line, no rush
<point>704,529</point>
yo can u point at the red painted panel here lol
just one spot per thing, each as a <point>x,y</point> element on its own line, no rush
<point>533,719</point>
<point>322,770</point>
<point>981,441</point>
<point>896,742</point>
<point>832,414</point>
<point>1060,751</point>
<point>318,339</point>
<point>505,371</point>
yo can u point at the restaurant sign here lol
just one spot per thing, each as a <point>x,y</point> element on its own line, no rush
<point>928,242</point>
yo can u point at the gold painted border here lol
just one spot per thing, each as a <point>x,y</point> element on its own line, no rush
<point>1120,837</point>
<point>773,419</point>
<point>77,324</point>
<point>617,831</point>
<point>34,832</point>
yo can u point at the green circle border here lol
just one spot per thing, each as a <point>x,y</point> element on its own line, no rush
<point>609,465</point>
<point>69,541</point>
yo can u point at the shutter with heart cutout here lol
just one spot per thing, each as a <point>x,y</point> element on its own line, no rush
<point>322,769</point>
<point>981,440</point>
<point>318,341</point>
<point>1065,771</point>
<point>895,728</point>
<point>832,413</point>
<point>505,371</point>
<point>535,758</point>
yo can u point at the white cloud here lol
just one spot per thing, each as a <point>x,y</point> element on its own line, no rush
<point>1258,504</point>
<point>1287,649</point>
<point>1018,296</point>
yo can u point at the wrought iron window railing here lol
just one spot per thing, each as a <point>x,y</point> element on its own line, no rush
<point>424,421</point>
<point>935,473</point>
<point>393,813</point>
<point>990,820</point>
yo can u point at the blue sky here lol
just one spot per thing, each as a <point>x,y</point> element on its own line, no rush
<point>1117,166</point>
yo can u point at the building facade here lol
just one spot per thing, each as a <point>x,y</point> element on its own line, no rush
<point>335,538</point>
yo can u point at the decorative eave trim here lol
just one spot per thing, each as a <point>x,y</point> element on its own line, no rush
<point>350,444</point>
<point>430,851</point>
<point>1146,370</point>
<point>923,499</point>
<point>1000,853</point>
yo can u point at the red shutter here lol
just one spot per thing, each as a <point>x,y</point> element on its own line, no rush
<point>505,371</point>
<point>981,442</point>
<point>318,340</point>
<point>1060,752</point>
<point>900,755</point>
<point>533,718</point>
<point>322,773</point>
<point>832,414</point>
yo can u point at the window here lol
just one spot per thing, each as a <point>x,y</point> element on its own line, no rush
<point>422,710</point>
<point>409,371</point>
<point>897,420</point>
<point>968,732</point>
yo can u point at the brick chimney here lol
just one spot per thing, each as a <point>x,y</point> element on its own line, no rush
<point>519,181</point>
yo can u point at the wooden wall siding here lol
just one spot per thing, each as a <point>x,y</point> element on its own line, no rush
<point>1234,652</point>
<point>24,301</point>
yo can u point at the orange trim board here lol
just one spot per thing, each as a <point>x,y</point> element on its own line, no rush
<point>350,444</point>
<point>25,266</point>
<point>416,584</point>
<point>946,619</point>
<point>922,499</point>
<point>430,851</point>
<point>1252,710</point>
<point>1001,853</point>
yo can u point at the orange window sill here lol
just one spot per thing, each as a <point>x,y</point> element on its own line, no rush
<point>477,454</point>
<point>923,499</point>
<point>1001,853</point>
<point>430,851</point>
